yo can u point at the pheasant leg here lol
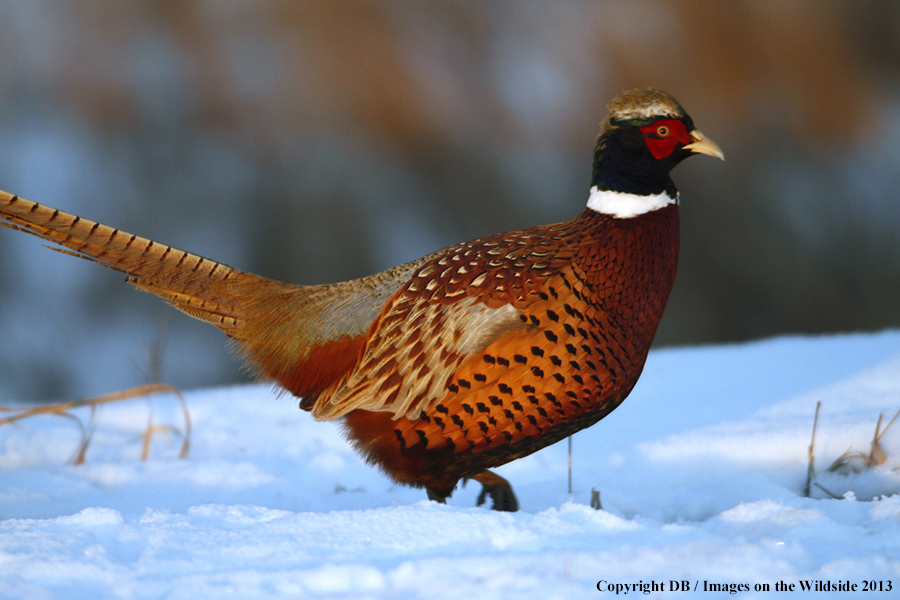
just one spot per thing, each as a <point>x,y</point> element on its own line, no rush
<point>499,489</point>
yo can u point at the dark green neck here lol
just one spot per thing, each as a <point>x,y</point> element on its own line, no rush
<point>622,163</point>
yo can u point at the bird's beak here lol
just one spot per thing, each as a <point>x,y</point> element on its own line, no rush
<point>704,145</point>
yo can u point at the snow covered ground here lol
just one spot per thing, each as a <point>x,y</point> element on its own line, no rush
<point>701,472</point>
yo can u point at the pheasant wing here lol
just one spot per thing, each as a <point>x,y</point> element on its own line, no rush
<point>454,306</point>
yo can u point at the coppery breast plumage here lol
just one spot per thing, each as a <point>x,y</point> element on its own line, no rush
<point>577,305</point>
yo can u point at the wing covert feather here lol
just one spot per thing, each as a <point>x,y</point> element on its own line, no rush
<point>454,306</point>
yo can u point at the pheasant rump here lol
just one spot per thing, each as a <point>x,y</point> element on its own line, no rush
<point>467,358</point>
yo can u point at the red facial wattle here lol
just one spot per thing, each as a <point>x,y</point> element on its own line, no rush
<point>664,136</point>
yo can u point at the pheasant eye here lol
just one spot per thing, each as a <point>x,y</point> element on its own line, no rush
<point>662,131</point>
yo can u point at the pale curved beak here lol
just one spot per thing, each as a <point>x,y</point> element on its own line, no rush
<point>704,145</point>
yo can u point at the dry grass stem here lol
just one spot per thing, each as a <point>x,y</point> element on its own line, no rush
<point>876,456</point>
<point>811,470</point>
<point>833,495</point>
<point>64,409</point>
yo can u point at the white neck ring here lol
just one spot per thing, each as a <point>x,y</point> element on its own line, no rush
<point>625,206</point>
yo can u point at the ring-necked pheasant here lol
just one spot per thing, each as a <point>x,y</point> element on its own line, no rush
<point>472,356</point>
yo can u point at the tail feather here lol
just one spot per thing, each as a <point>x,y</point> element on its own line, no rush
<point>189,282</point>
<point>305,338</point>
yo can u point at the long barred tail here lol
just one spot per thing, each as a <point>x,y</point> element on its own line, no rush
<point>302,337</point>
<point>191,283</point>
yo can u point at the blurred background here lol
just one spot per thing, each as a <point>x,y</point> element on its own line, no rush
<point>317,141</point>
